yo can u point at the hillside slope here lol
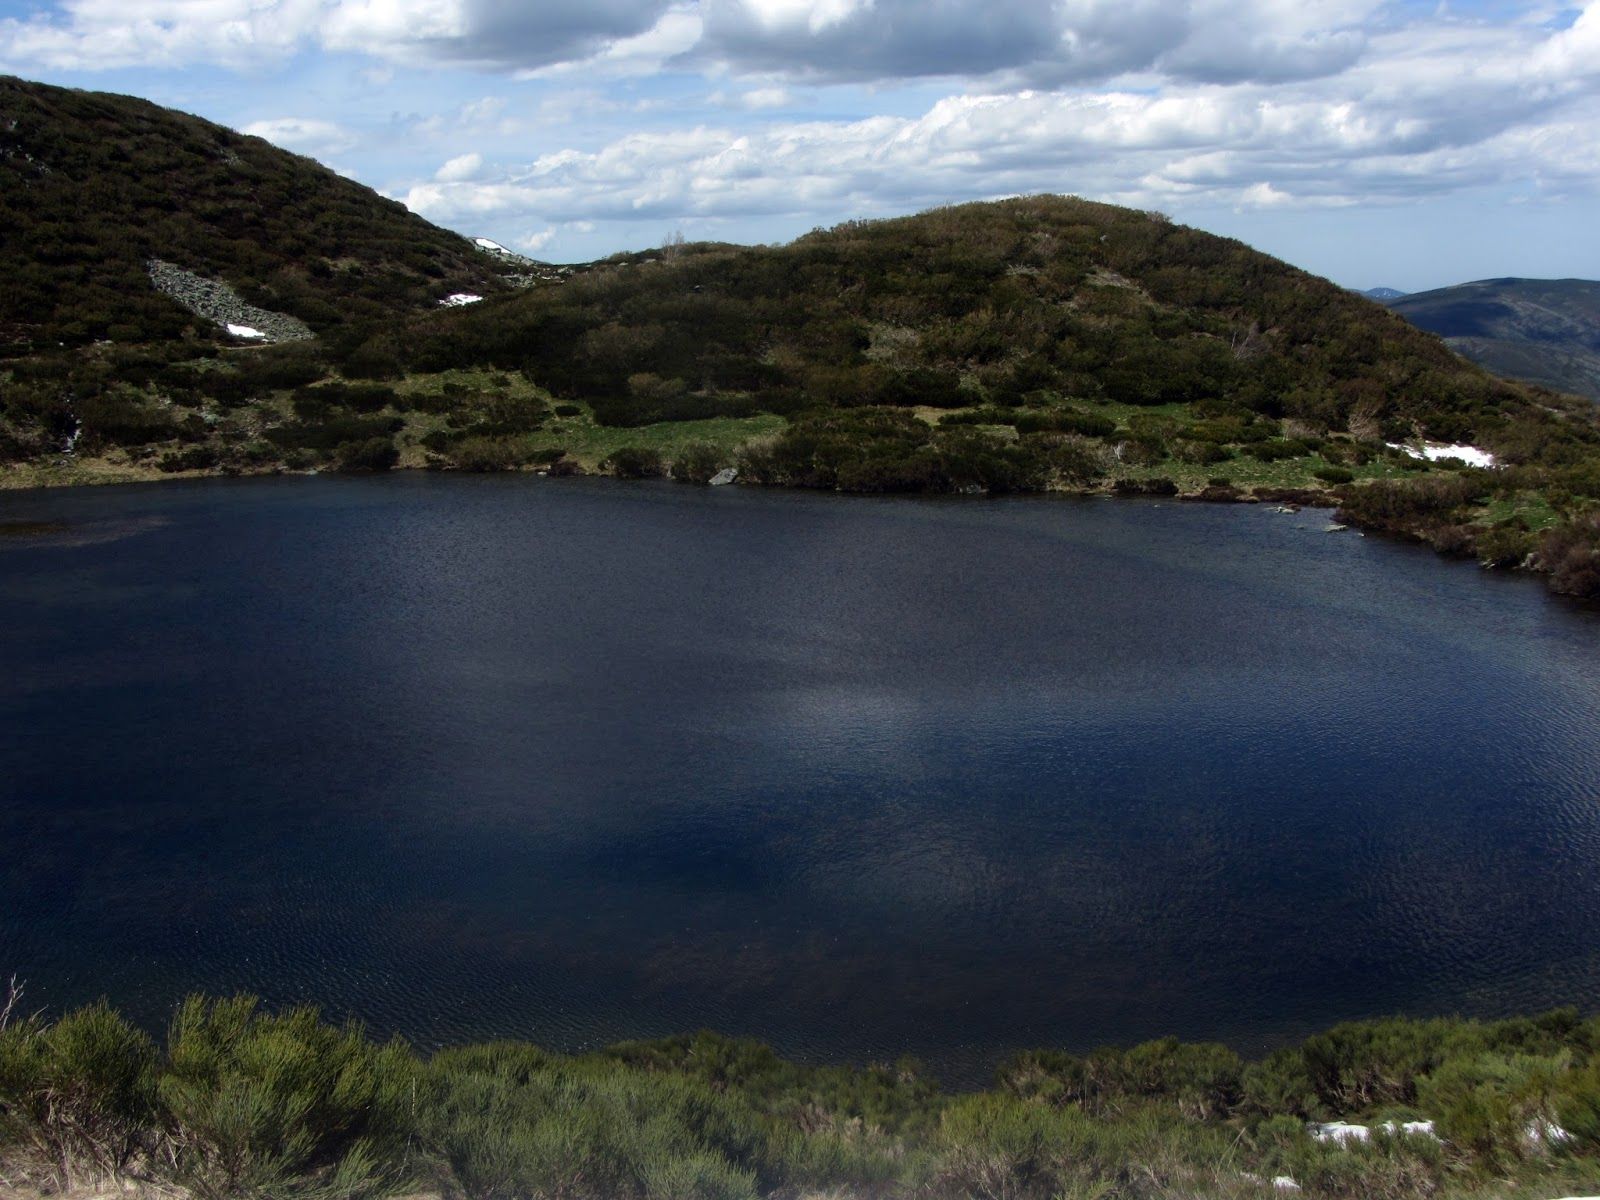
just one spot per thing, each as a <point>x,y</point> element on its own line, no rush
<point>1038,302</point>
<point>1039,343</point>
<point>95,186</point>
<point>1543,331</point>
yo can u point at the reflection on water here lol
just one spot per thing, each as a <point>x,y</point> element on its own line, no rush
<point>576,761</point>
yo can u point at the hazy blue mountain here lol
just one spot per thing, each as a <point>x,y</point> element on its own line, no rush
<point>1544,331</point>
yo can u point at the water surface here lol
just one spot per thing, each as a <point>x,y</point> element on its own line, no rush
<point>579,760</point>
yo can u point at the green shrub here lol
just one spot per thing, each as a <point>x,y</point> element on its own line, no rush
<point>1486,1104</point>
<point>634,462</point>
<point>191,458</point>
<point>1571,553</point>
<point>1407,505</point>
<point>992,1147</point>
<point>697,463</point>
<point>1200,453</point>
<point>1381,1167</point>
<point>122,418</point>
<point>511,1121</point>
<point>1280,1083</point>
<point>1276,449</point>
<point>372,454</point>
<point>76,1097</point>
<point>1199,1080</point>
<point>1334,475</point>
<point>268,1106</point>
<point>1156,485</point>
<point>1079,461</point>
<point>488,454</point>
<point>1506,545</point>
<point>1578,1107</point>
<point>377,358</point>
<point>330,434</point>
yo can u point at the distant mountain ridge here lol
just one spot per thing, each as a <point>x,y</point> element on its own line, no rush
<point>1383,294</point>
<point>1544,331</point>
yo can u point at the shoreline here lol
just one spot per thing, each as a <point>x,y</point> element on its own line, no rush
<point>14,479</point>
<point>97,473</point>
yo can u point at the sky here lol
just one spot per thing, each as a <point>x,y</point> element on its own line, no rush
<point>1410,145</point>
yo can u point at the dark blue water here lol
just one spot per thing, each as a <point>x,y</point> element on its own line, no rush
<point>579,761</point>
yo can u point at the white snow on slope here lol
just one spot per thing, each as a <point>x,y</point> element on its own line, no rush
<point>1434,451</point>
<point>1339,1131</point>
<point>457,299</point>
<point>1344,1133</point>
<point>489,245</point>
<point>245,331</point>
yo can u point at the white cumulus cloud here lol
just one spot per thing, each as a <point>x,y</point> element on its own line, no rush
<point>306,135</point>
<point>463,166</point>
<point>1468,107</point>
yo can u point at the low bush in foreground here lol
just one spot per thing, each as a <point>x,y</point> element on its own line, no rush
<point>239,1102</point>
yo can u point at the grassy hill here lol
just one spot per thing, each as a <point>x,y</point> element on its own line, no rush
<point>1030,303</point>
<point>1542,331</point>
<point>94,186</point>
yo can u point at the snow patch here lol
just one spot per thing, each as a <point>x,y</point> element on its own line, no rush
<point>1546,1133</point>
<point>486,244</point>
<point>1434,451</point>
<point>245,331</point>
<point>1339,1131</point>
<point>1344,1133</point>
<point>459,299</point>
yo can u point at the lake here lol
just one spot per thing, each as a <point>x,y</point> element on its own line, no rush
<point>579,760</point>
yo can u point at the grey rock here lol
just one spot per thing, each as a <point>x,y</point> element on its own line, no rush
<point>216,301</point>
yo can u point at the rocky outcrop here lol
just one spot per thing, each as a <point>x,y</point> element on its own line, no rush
<point>523,272</point>
<point>216,301</point>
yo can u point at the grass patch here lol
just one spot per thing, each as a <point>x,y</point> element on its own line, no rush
<point>591,444</point>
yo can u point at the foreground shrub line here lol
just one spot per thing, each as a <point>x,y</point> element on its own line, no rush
<point>241,1102</point>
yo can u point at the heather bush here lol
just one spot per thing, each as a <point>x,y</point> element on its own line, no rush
<point>634,462</point>
<point>697,463</point>
<point>484,454</point>
<point>368,455</point>
<point>76,1099</point>
<point>258,1105</point>
<point>1571,553</point>
<point>511,1121</point>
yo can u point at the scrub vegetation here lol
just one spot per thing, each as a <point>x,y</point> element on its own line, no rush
<point>93,186</point>
<point>1040,343</point>
<point>241,1102</point>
